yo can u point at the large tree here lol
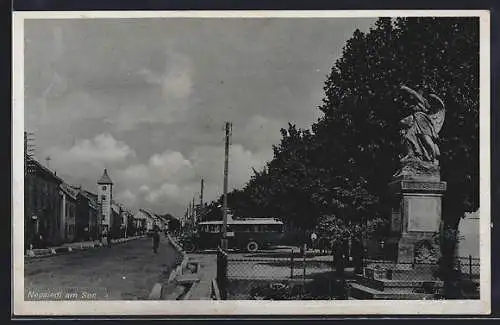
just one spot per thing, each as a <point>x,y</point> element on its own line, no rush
<point>363,104</point>
<point>342,165</point>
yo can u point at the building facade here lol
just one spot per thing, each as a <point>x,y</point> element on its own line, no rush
<point>116,224</point>
<point>69,204</point>
<point>140,220</point>
<point>87,216</point>
<point>42,205</point>
<point>151,219</point>
<point>56,212</point>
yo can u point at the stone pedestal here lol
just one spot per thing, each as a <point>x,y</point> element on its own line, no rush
<point>415,222</point>
<point>416,218</point>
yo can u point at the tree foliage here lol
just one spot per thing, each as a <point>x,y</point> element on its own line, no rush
<point>342,165</point>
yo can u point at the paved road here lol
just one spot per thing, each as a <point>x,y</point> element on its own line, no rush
<point>127,271</point>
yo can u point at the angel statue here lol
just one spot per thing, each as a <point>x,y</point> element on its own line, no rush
<point>420,129</point>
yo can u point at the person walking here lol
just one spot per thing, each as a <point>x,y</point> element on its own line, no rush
<point>109,239</point>
<point>104,235</point>
<point>314,237</point>
<point>156,239</point>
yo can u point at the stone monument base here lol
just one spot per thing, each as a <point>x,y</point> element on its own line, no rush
<point>416,220</point>
<point>392,281</point>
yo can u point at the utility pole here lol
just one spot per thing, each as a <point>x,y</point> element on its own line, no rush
<point>224,205</point>
<point>201,210</point>
<point>201,192</point>
<point>194,213</point>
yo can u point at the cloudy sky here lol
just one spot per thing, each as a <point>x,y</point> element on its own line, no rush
<point>147,98</point>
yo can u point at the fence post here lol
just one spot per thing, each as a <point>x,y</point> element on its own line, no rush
<point>470,267</point>
<point>291,264</point>
<point>217,277</point>
<point>225,259</point>
<point>222,272</point>
<point>332,274</point>
<point>304,274</point>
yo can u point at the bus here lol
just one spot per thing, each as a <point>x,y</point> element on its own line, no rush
<point>249,234</point>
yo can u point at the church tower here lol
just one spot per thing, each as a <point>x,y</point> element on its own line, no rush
<point>104,197</point>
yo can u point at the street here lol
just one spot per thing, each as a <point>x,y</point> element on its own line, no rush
<point>127,271</point>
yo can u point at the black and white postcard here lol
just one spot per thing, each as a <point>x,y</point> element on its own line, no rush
<point>251,162</point>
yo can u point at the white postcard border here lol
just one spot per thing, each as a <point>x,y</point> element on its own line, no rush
<point>191,308</point>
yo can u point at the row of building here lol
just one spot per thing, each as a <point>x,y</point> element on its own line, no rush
<point>57,212</point>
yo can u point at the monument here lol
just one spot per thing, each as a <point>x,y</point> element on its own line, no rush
<point>416,187</point>
<point>416,190</point>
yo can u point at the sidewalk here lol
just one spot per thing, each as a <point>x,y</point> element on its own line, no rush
<point>207,272</point>
<point>69,247</point>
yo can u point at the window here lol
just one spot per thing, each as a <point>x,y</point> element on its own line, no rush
<point>275,228</point>
<point>213,228</point>
<point>103,197</point>
<point>104,187</point>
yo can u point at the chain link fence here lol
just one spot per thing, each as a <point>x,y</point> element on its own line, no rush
<point>291,275</point>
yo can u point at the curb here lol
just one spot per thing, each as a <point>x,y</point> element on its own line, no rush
<point>216,290</point>
<point>178,270</point>
<point>158,287</point>
<point>44,252</point>
<point>156,293</point>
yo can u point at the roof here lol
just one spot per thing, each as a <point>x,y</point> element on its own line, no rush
<point>168,217</point>
<point>105,178</point>
<point>140,215</point>
<point>246,221</point>
<point>115,208</point>
<point>91,197</point>
<point>36,165</point>
<point>162,218</point>
<point>69,190</point>
<point>147,214</point>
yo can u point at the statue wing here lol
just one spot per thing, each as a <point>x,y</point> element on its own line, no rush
<point>438,117</point>
<point>416,95</point>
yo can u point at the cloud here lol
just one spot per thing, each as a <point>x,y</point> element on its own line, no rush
<point>170,178</point>
<point>259,132</point>
<point>166,191</point>
<point>87,156</point>
<point>208,161</point>
<point>170,163</point>
<point>127,197</point>
<point>166,96</point>
<point>176,80</point>
<point>166,166</point>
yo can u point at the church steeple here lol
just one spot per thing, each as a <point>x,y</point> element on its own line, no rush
<point>105,178</point>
